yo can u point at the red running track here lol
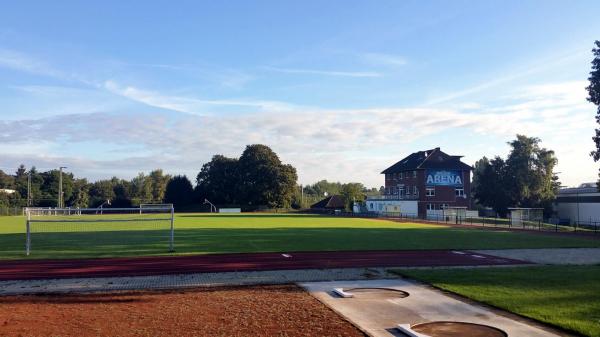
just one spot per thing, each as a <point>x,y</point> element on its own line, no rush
<point>143,266</point>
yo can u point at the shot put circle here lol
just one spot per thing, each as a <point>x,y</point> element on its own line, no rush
<point>377,293</point>
<point>457,329</point>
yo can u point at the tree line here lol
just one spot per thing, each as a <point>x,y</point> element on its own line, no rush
<point>257,179</point>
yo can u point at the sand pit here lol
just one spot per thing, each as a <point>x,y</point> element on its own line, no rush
<point>283,310</point>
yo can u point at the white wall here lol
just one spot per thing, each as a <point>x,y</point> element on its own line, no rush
<point>409,207</point>
<point>587,211</point>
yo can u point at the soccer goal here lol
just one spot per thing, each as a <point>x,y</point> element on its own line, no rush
<point>96,232</point>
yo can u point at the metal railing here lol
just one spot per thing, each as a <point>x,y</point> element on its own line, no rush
<point>589,227</point>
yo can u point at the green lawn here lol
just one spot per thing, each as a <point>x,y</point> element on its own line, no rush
<point>565,296</point>
<point>205,233</point>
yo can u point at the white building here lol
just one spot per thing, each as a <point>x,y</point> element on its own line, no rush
<point>578,204</point>
<point>7,191</point>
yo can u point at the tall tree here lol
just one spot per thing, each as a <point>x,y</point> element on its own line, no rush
<point>490,184</point>
<point>179,191</point>
<point>159,184</point>
<point>594,92</point>
<point>218,181</point>
<point>525,179</point>
<point>141,189</point>
<point>264,179</point>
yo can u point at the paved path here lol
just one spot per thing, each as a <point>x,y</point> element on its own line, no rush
<point>380,315</point>
<point>550,255</point>
<point>163,265</point>
<point>182,281</point>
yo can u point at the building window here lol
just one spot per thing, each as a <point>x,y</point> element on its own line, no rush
<point>371,206</point>
<point>430,207</point>
<point>430,191</point>
<point>414,174</point>
<point>401,175</point>
<point>443,206</point>
<point>407,189</point>
<point>380,207</point>
<point>415,191</point>
<point>460,192</point>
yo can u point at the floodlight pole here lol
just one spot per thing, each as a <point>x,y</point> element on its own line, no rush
<point>60,188</point>
<point>29,189</point>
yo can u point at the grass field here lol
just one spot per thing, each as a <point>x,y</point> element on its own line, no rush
<point>205,233</point>
<point>565,296</point>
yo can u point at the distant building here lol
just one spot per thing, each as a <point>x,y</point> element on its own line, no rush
<point>329,204</point>
<point>578,204</point>
<point>424,183</point>
<point>7,191</point>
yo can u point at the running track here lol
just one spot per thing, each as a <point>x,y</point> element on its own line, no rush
<point>143,266</point>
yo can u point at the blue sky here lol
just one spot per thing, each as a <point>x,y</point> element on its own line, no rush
<point>339,89</point>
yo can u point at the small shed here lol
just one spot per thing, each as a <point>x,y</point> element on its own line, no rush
<point>329,204</point>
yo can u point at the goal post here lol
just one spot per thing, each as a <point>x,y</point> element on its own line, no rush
<point>99,232</point>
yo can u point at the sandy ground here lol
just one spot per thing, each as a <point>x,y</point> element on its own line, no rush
<point>550,256</point>
<point>281,310</point>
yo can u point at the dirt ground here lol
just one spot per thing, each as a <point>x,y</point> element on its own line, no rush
<point>282,310</point>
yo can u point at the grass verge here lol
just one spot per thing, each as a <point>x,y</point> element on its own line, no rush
<point>565,296</point>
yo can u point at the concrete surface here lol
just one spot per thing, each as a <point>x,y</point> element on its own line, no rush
<point>80,285</point>
<point>379,317</point>
<point>550,255</point>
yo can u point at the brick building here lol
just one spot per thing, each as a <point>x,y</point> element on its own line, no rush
<point>424,182</point>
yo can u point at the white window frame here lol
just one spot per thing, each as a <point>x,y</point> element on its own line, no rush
<point>459,192</point>
<point>430,191</point>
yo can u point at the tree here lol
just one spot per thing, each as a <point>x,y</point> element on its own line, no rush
<point>141,187</point>
<point>218,181</point>
<point>159,182</point>
<point>264,180</point>
<point>594,92</point>
<point>179,191</point>
<point>100,192</point>
<point>352,192</point>
<point>525,179</point>
<point>490,184</point>
<point>257,178</point>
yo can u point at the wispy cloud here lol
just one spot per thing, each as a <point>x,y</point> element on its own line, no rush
<point>183,140</point>
<point>185,104</point>
<point>21,62</point>
<point>383,59</point>
<point>325,72</point>
<point>510,76</point>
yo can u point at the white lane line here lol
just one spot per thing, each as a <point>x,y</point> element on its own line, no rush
<point>479,256</point>
<point>457,252</point>
<point>286,255</point>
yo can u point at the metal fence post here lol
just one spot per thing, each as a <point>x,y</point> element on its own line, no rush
<point>172,234</point>
<point>28,235</point>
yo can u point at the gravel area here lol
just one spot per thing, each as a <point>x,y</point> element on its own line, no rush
<point>550,256</point>
<point>275,310</point>
<point>83,285</point>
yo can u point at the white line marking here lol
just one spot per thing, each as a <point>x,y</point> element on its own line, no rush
<point>286,255</point>
<point>478,256</point>
<point>457,252</point>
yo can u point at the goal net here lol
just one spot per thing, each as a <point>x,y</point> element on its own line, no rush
<point>97,232</point>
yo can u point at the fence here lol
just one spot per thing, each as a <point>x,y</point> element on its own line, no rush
<point>591,226</point>
<point>7,211</point>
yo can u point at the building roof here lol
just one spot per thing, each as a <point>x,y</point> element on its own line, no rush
<point>429,159</point>
<point>332,202</point>
<point>583,188</point>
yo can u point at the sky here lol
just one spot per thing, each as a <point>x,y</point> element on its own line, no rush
<point>339,89</point>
